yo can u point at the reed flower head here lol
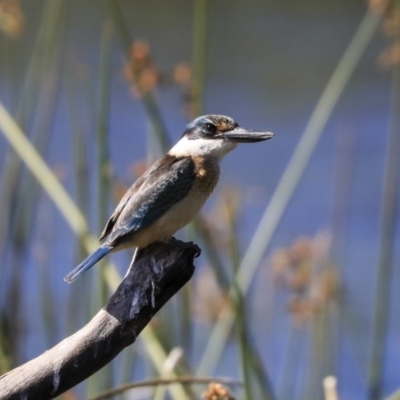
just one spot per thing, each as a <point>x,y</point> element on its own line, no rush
<point>11,18</point>
<point>217,391</point>
<point>140,71</point>
<point>306,272</point>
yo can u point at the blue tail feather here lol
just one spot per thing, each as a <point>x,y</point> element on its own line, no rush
<point>88,263</point>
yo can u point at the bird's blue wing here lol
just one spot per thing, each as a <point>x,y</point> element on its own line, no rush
<point>166,183</point>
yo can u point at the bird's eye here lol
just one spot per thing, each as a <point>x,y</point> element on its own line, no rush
<point>210,128</point>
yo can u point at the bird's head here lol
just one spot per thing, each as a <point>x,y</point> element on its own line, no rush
<point>214,135</point>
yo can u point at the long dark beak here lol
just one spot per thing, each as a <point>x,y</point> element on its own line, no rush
<point>241,135</point>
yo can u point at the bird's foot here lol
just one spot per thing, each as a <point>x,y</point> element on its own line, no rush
<point>178,244</point>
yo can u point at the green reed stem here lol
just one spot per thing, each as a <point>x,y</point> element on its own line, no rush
<point>200,28</point>
<point>76,314</point>
<point>199,71</point>
<point>239,303</point>
<point>387,244</point>
<point>256,381</point>
<point>291,363</point>
<point>103,164</point>
<point>213,255</point>
<point>339,222</point>
<point>104,378</point>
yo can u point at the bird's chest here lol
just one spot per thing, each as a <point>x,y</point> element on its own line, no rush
<point>207,175</point>
<point>182,212</point>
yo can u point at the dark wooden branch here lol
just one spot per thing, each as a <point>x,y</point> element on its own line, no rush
<point>160,270</point>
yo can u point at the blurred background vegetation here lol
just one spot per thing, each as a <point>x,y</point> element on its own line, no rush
<point>297,279</point>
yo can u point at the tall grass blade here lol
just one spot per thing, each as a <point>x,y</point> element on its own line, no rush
<point>23,147</point>
<point>104,378</point>
<point>342,191</point>
<point>76,314</point>
<point>291,363</point>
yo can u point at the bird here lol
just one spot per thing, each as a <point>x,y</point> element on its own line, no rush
<point>173,190</point>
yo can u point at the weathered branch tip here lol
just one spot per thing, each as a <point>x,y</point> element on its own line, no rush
<point>160,270</point>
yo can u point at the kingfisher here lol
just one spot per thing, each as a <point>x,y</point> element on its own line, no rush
<point>173,190</point>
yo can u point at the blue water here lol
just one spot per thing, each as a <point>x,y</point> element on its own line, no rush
<point>268,63</point>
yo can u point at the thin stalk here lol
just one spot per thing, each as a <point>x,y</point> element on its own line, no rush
<point>321,355</point>
<point>75,311</point>
<point>343,185</point>
<point>103,126</point>
<point>256,382</point>
<point>200,28</point>
<point>289,181</point>
<point>199,63</point>
<point>104,165</point>
<point>388,228</point>
<point>103,378</point>
<point>291,363</point>
<point>317,367</point>
<point>342,189</point>
<point>44,277</point>
<point>13,319</point>
<point>213,255</point>
<point>239,302</point>
<point>260,374</point>
<point>186,317</point>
